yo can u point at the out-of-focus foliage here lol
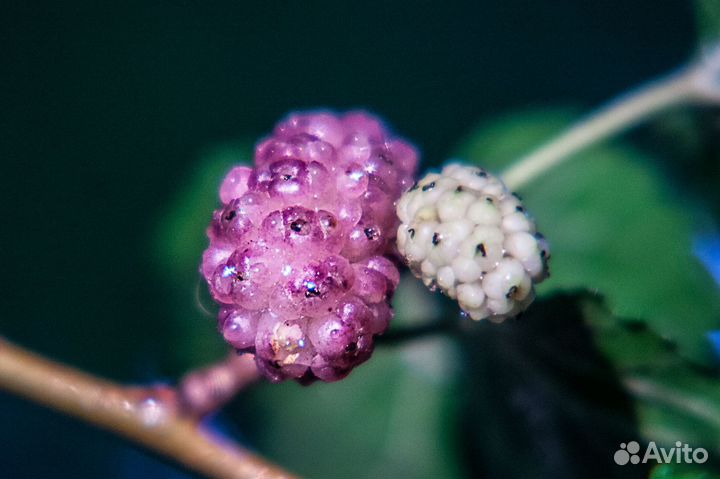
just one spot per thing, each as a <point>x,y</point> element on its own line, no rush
<point>708,19</point>
<point>675,400</point>
<point>681,471</point>
<point>615,227</point>
<point>179,243</point>
<point>392,417</point>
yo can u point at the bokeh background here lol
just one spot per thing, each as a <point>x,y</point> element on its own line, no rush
<point>118,121</point>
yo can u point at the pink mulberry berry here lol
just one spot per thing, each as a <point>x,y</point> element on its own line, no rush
<point>296,256</point>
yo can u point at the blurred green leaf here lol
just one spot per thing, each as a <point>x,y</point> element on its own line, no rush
<point>392,417</point>
<point>180,241</point>
<point>675,400</point>
<point>181,236</point>
<point>682,471</point>
<point>613,227</point>
<point>708,19</point>
<point>414,305</point>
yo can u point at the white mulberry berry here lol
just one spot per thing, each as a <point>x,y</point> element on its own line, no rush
<point>464,232</point>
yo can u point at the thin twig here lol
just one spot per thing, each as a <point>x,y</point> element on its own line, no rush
<point>148,416</point>
<point>618,116</point>
<point>700,82</point>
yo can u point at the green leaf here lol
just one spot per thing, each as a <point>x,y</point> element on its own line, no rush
<point>181,235</point>
<point>179,243</point>
<point>708,20</point>
<point>682,471</point>
<point>613,227</point>
<point>675,401</point>
<point>390,418</point>
<point>414,306</point>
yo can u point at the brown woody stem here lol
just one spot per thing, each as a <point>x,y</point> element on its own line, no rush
<point>147,415</point>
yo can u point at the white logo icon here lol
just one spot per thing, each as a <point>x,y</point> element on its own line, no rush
<point>681,453</point>
<point>627,453</point>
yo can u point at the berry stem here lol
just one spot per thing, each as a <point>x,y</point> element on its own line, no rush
<point>411,333</point>
<point>206,390</point>
<point>146,415</point>
<point>699,82</point>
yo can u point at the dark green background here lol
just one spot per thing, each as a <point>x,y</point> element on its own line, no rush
<point>106,108</point>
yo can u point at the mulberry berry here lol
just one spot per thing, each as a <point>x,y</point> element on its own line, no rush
<point>296,256</point>
<point>465,233</point>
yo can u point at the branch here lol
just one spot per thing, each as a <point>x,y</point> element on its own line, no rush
<point>149,416</point>
<point>700,82</point>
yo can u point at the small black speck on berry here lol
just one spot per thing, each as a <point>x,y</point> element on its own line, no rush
<point>312,290</point>
<point>297,225</point>
<point>371,233</point>
<point>436,239</point>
